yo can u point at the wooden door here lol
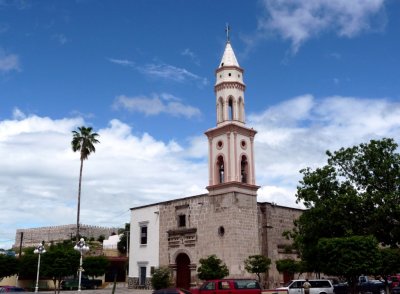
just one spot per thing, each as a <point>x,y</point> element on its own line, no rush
<point>182,271</point>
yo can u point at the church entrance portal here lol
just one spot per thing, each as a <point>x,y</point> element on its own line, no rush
<point>182,271</point>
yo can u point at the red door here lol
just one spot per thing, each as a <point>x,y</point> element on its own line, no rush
<point>182,271</point>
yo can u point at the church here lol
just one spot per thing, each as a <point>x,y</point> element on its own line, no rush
<point>227,221</point>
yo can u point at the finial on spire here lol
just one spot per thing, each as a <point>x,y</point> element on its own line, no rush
<point>227,30</point>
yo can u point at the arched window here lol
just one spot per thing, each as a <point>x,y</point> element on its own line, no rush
<point>231,109</point>
<point>244,169</point>
<point>220,169</point>
<point>220,110</point>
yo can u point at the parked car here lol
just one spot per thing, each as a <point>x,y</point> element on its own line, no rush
<point>171,291</point>
<point>11,289</point>
<point>233,286</point>
<point>395,290</point>
<point>86,283</point>
<point>365,285</point>
<point>317,287</point>
<point>394,281</point>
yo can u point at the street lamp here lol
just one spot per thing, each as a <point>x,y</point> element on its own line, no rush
<point>38,250</point>
<point>81,247</point>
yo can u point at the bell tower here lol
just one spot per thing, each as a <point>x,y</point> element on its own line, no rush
<point>231,143</point>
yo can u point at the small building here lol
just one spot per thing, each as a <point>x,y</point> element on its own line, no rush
<point>227,221</point>
<point>33,236</point>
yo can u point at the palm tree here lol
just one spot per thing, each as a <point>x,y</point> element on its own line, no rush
<point>83,141</point>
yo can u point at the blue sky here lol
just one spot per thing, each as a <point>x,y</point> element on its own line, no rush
<point>320,75</point>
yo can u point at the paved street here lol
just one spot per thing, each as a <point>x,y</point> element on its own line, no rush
<point>122,288</point>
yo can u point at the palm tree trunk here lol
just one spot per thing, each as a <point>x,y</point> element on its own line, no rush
<point>79,201</point>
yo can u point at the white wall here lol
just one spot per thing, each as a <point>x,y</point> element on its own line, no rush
<point>144,255</point>
<point>111,242</point>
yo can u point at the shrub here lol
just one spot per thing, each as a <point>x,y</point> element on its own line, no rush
<point>161,278</point>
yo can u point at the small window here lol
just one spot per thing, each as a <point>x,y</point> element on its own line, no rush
<point>244,169</point>
<point>182,220</point>
<point>221,231</point>
<point>230,74</point>
<point>220,166</point>
<point>143,235</point>
<point>208,286</point>
<point>223,285</point>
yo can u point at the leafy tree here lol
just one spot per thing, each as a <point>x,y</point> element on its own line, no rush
<point>123,241</point>
<point>357,193</point>
<point>28,264</point>
<point>289,266</point>
<point>101,238</point>
<point>389,261</point>
<point>59,262</point>
<point>257,264</point>
<point>349,257</point>
<point>212,268</point>
<point>161,278</point>
<point>8,266</point>
<point>95,265</point>
<point>83,141</point>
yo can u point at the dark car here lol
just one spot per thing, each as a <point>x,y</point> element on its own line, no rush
<point>86,283</point>
<point>171,291</point>
<point>11,289</point>
<point>395,290</point>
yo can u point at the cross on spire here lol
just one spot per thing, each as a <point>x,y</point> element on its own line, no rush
<point>227,30</point>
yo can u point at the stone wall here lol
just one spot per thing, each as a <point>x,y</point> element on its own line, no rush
<point>224,224</point>
<point>33,236</point>
<point>274,220</point>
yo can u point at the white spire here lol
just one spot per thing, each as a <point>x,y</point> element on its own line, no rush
<point>229,58</point>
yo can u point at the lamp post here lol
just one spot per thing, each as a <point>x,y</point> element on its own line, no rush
<point>38,250</point>
<point>81,247</point>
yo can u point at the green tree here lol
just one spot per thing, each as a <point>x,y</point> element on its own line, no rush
<point>389,261</point>
<point>83,141</point>
<point>257,264</point>
<point>9,266</point>
<point>212,268</point>
<point>124,240</point>
<point>349,257</point>
<point>357,193</point>
<point>289,266</point>
<point>28,264</point>
<point>161,278</point>
<point>95,265</point>
<point>58,262</point>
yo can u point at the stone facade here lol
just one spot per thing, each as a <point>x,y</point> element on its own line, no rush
<point>224,225</point>
<point>273,221</point>
<point>33,236</point>
<point>214,225</point>
<point>227,221</point>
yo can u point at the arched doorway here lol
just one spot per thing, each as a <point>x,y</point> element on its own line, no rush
<point>182,271</point>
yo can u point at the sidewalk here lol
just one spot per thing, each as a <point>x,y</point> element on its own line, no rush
<point>121,288</point>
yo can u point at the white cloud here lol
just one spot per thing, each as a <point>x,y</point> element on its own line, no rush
<point>296,133</point>
<point>60,38</point>
<point>170,72</point>
<point>298,21</point>
<point>40,174</point>
<point>156,104</point>
<point>191,55</point>
<point>9,62</point>
<point>40,171</point>
<point>164,71</point>
<point>18,114</point>
<point>123,62</point>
